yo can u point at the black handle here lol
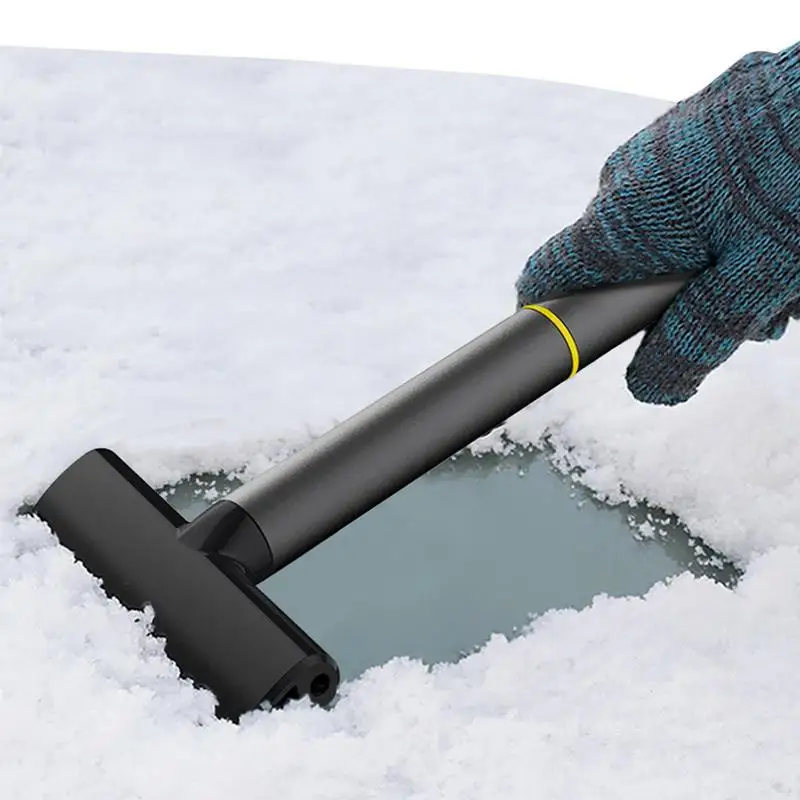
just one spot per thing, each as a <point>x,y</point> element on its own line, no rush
<point>359,463</point>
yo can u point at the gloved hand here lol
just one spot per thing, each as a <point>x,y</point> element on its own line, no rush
<point>712,186</point>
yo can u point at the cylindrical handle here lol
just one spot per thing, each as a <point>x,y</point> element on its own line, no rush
<point>378,451</point>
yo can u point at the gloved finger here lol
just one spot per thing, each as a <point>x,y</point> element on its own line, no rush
<point>618,239</point>
<point>776,327</point>
<point>710,318</point>
<point>772,330</point>
<point>577,257</point>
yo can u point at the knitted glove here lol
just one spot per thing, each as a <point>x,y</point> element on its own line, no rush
<point>713,187</point>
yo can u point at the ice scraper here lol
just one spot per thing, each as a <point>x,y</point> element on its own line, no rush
<point>201,577</point>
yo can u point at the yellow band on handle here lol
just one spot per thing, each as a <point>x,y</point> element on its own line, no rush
<point>565,332</point>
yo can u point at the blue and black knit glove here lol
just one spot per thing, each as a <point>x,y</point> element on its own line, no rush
<point>712,186</point>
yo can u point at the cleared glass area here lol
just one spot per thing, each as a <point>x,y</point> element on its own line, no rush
<point>477,546</point>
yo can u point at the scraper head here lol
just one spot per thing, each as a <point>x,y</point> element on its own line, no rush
<point>220,629</point>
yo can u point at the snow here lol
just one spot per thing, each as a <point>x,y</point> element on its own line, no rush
<point>207,262</point>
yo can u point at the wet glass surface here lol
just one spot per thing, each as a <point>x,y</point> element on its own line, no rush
<point>475,547</point>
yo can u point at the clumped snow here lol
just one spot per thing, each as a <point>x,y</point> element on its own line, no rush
<point>203,264</point>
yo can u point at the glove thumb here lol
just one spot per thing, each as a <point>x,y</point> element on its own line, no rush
<point>578,257</point>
